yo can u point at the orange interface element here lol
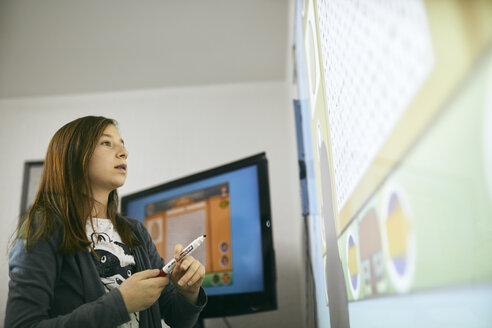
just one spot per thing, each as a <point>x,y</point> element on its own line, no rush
<point>218,253</point>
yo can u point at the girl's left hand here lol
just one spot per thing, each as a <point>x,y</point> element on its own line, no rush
<point>187,275</point>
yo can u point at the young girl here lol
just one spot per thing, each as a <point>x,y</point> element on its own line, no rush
<point>76,262</point>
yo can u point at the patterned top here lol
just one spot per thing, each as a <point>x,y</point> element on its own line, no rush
<point>114,261</point>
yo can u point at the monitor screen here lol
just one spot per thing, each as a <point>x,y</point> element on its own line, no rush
<point>230,204</point>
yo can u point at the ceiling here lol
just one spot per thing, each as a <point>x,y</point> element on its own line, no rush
<point>54,47</point>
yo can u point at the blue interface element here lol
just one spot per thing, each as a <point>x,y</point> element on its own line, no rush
<point>246,247</point>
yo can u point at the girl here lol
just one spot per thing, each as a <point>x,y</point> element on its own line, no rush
<point>76,262</point>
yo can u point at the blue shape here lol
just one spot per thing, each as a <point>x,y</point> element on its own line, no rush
<point>400,264</point>
<point>355,280</point>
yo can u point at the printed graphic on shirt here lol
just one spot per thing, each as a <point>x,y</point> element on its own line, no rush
<point>114,261</point>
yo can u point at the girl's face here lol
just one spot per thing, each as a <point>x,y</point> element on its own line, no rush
<point>107,166</point>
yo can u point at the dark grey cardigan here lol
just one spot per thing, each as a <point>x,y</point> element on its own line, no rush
<point>49,289</point>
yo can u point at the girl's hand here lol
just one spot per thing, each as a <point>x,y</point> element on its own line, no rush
<point>142,289</point>
<point>187,275</point>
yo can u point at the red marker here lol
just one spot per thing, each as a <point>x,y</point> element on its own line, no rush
<point>168,268</point>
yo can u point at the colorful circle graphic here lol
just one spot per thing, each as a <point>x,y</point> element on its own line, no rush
<point>353,274</point>
<point>224,247</point>
<point>398,239</point>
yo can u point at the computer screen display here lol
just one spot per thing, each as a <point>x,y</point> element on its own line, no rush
<point>230,205</point>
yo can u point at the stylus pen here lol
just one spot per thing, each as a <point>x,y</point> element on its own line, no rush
<point>168,268</point>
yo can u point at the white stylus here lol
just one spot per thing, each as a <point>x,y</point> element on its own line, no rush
<point>168,268</point>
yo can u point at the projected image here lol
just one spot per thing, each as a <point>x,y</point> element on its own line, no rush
<point>401,160</point>
<point>379,251</point>
<point>181,219</point>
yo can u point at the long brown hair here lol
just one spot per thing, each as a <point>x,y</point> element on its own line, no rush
<point>65,193</point>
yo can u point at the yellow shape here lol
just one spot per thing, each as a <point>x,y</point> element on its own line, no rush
<point>398,229</point>
<point>352,261</point>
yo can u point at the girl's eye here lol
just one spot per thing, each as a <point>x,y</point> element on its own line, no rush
<point>106,143</point>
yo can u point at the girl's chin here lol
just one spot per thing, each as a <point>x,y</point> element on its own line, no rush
<point>117,184</point>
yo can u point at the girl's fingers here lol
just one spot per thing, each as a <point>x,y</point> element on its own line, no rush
<point>177,250</point>
<point>189,268</point>
<point>197,277</point>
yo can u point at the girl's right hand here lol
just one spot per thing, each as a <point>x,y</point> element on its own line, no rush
<point>142,289</point>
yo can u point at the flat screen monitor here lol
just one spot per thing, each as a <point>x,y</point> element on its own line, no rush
<point>231,205</point>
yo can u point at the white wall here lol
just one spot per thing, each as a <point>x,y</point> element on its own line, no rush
<point>171,133</point>
<point>64,47</point>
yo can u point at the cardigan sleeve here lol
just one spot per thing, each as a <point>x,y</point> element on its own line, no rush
<point>32,283</point>
<point>176,310</point>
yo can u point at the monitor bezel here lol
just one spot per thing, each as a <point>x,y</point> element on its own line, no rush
<point>240,303</point>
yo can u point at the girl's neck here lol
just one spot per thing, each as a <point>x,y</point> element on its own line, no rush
<point>100,209</point>
<point>99,212</point>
